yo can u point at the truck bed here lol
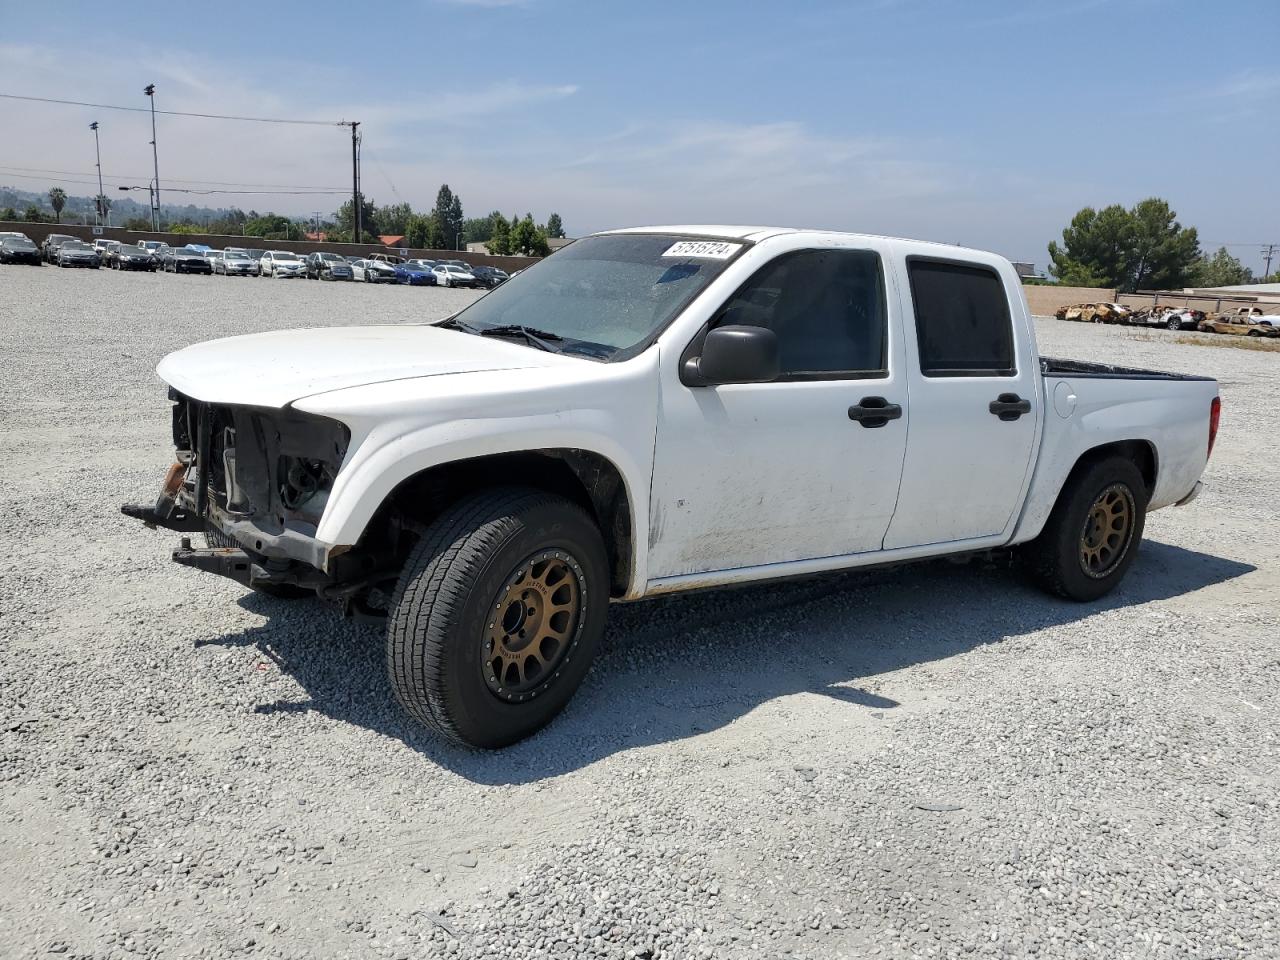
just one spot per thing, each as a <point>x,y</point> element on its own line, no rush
<point>1056,367</point>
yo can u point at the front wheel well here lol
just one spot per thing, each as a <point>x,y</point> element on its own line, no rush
<point>582,476</point>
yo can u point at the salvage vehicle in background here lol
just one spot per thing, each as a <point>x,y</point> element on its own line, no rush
<point>125,257</point>
<point>75,253</point>
<point>373,271</point>
<point>327,266</point>
<point>1112,313</point>
<point>185,260</point>
<point>1077,311</point>
<point>49,248</point>
<point>652,411</point>
<point>1243,322</point>
<point>489,277</point>
<point>282,263</point>
<point>19,250</point>
<point>452,275</point>
<point>414,274</point>
<point>235,262</point>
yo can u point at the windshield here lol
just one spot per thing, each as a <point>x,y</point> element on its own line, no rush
<point>75,245</point>
<point>331,257</point>
<point>284,256</point>
<point>613,291</point>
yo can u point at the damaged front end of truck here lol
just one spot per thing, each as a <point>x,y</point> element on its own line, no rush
<point>255,482</point>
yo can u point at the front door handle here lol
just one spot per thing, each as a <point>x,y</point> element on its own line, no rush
<point>874,411</point>
<point>1009,406</point>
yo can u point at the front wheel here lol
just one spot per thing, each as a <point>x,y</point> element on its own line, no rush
<point>1174,324</point>
<point>496,616</point>
<point>1092,536</point>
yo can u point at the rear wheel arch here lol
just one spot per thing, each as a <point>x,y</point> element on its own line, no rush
<point>584,477</point>
<point>1142,453</point>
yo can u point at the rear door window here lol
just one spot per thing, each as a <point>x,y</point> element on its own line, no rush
<point>962,319</point>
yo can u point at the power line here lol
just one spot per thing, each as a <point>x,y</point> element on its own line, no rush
<point>208,183</point>
<point>272,193</point>
<point>175,113</point>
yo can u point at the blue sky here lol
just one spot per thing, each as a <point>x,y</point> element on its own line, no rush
<point>977,122</point>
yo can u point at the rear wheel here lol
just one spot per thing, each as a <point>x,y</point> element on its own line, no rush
<point>496,616</point>
<point>1092,536</point>
<point>1173,323</point>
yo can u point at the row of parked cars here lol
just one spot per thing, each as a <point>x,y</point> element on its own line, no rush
<point>152,255</point>
<point>1241,321</point>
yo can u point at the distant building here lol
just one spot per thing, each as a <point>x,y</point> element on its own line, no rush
<point>392,241</point>
<point>555,243</point>
<point>317,235</point>
<point>1024,269</point>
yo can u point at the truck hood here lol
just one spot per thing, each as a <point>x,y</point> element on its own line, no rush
<point>275,369</point>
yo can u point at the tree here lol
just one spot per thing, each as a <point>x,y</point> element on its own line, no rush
<point>58,200</point>
<point>528,240</point>
<point>344,221</point>
<point>555,228</point>
<point>269,225</point>
<point>479,229</point>
<point>186,229</point>
<point>33,215</point>
<point>1142,248</point>
<point>1220,270</point>
<point>499,241</point>
<point>393,219</point>
<point>8,213</point>
<point>447,214</point>
<point>420,231</point>
<point>137,223</point>
<point>1164,250</point>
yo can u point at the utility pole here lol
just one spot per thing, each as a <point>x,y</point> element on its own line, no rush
<point>150,91</point>
<point>97,150</point>
<point>1268,252</point>
<point>356,219</point>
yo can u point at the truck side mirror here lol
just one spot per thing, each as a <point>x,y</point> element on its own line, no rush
<point>733,354</point>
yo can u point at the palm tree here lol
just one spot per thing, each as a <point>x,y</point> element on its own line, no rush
<point>58,197</point>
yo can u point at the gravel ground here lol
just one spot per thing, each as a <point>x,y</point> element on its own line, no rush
<point>934,761</point>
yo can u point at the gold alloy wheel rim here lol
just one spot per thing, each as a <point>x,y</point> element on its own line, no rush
<point>1108,528</point>
<point>534,625</point>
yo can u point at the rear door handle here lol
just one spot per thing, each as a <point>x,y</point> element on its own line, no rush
<point>874,411</point>
<point>1009,406</point>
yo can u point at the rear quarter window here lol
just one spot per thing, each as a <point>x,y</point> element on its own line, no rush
<point>963,323</point>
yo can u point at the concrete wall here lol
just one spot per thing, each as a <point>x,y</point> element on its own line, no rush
<point>38,231</point>
<point>1044,301</point>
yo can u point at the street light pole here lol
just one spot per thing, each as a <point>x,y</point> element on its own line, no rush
<point>150,91</point>
<point>97,150</point>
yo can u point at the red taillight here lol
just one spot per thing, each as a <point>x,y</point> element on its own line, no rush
<point>1215,412</point>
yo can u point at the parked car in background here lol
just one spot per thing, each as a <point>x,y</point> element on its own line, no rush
<point>1077,311</point>
<point>125,257</point>
<point>390,258</point>
<point>186,260</point>
<point>327,266</point>
<point>489,277</point>
<point>104,248</point>
<point>49,248</point>
<point>14,234</point>
<point>282,263</point>
<point>373,271</point>
<point>655,412</point>
<point>18,250</point>
<point>1243,322</point>
<point>157,248</point>
<point>1180,318</point>
<point>414,275</point>
<point>236,263</point>
<point>452,275</point>
<point>1112,313</point>
<point>213,256</point>
<point>75,253</point>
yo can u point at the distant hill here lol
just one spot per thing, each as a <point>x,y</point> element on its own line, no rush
<point>122,207</point>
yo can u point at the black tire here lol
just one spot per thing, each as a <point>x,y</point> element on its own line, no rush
<point>477,552</point>
<point>281,591</point>
<point>1056,558</point>
<point>1174,323</point>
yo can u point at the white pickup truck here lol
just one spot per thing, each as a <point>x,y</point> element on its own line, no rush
<point>658,410</point>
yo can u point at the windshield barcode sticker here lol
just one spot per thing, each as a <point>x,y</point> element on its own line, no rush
<point>706,249</point>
